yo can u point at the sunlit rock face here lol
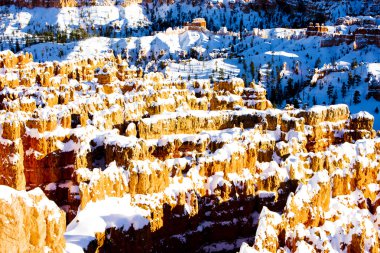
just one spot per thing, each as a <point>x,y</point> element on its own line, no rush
<point>335,210</point>
<point>143,163</point>
<point>30,222</point>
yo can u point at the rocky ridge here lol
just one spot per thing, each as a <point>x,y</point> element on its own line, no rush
<point>143,163</point>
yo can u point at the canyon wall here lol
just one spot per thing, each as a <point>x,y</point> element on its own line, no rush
<point>142,163</point>
<point>30,222</point>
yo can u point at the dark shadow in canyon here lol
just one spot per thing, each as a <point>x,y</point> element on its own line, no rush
<point>216,222</point>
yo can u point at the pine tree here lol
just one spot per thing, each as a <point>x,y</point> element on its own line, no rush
<point>344,90</point>
<point>350,80</point>
<point>356,99</point>
<point>334,98</point>
<point>314,100</point>
<point>18,48</point>
<point>296,103</point>
<point>252,65</point>
<point>244,76</point>
<point>278,71</point>
<point>354,64</point>
<point>244,65</point>
<point>289,87</point>
<point>357,79</point>
<point>221,73</point>
<point>330,90</point>
<point>317,63</point>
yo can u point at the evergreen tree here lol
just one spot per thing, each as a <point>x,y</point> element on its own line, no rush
<point>289,87</point>
<point>350,80</point>
<point>244,65</point>
<point>317,63</point>
<point>252,65</point>
<point>334,98</point>
<point>221,73</point>
<point>357,79</point>
<point>278,70</point>
<point>18,48</point>
<point>244,76</point>
<point>354,64</point>
<point>330,90</point>
<point>356,99</point>
<point>344,90</point>
<point>296,103</point>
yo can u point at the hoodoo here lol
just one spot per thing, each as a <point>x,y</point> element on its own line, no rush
<point>202,126</point>
<point>152,164</point>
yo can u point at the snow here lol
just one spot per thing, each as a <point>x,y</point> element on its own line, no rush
<point>22,20</point>
<point>145,167</point>
<point>365,147</point>
<point>227,151</point>
<point>245,248</point>
<point>302,247</point>
<point>268,222</point>
<point>121,141</point>
<point>287,53</point>
<point>362,115</point>
<point>374,69</point>
<point>268,49</point>
<point>50,187</point>
<point>98,216</point>
<point>305,193</point>
<point>7,193</point>
<point>214,181</point>
<point>263,50</point>
<point>202,70</point>
<point>43,204</point>
<point>270,169</point>
<point>281,53</point>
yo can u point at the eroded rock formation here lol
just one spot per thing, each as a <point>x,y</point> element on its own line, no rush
<point>30,222</point>
<point>142,163</point>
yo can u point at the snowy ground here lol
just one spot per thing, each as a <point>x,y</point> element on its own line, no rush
<point>97,216</point>
<point>17,22</point>
<point>276,52</point>
<point>337,79</point>
<point>216,68</point>
<point>23,20</point>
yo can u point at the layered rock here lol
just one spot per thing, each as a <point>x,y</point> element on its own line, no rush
<point>30,222</point>
<point>11,155</point>
<point>194,162</point>
<point>334,210</point>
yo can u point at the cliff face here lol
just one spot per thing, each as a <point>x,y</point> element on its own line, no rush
<point>334,210</point>
<point>140,163</point>
<point>30,222</point>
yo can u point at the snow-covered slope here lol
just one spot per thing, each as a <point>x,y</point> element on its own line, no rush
<point>197,151</point>
<point>18,22</point>
<point>276,57</point>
